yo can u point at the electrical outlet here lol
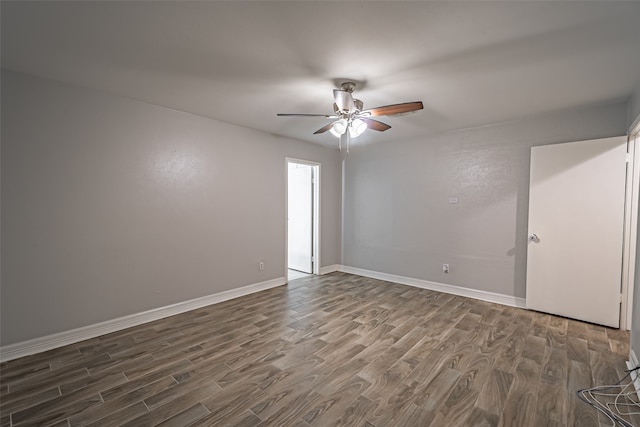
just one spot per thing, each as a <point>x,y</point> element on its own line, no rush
<point>261,265</point>
<point>445,268</point>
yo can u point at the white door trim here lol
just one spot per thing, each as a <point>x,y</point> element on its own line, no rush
<point>316,212</point>
<point>630,227</point>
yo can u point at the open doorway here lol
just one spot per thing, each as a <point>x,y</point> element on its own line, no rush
<point>303,207</point>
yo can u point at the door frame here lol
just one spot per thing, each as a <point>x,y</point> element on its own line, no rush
<point>315,233</point>
<point>632,196</point>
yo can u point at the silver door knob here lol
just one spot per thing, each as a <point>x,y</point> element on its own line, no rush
<point>533,237</point>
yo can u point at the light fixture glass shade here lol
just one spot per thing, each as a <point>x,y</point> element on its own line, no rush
<point>339,127</point>
<point>357,128</point>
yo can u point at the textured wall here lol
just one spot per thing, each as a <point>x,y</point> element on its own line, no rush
<point>112,207</point>
<point>398,218</point>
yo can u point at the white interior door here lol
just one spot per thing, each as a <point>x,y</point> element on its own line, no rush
<point>300,214</point>
<point>576,214</point>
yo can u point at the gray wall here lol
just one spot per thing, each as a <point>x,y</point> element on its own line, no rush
<point>398,218</point>
<point>112,207</point>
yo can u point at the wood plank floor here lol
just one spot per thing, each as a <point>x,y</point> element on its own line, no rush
<point>324,351</point>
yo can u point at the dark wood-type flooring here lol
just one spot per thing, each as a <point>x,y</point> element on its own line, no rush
<point>324,351</point>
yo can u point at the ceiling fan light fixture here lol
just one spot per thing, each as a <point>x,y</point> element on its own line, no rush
<point>350,115</point>
<point>339,127</point>
<point>357,128</point>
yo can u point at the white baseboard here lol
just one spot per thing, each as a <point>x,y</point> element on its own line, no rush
<point>329,269</point>
<point>49,342</point>
<point>635,376</point>
<point>440,287</point>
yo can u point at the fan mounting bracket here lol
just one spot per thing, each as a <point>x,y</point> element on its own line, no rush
<point>348,86</point>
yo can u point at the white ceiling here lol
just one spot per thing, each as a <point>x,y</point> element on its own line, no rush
<point>471,63</point>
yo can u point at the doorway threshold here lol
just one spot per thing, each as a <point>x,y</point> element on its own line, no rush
<point>295,274</point>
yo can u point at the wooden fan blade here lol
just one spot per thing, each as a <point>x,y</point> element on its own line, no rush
<point>323,129</point>
<point>376,125</point>
<point>328,116</point>
<point>389,110</point>
<point>344,100</point>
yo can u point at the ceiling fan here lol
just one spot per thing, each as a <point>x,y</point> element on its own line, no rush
<point>350,117</point>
